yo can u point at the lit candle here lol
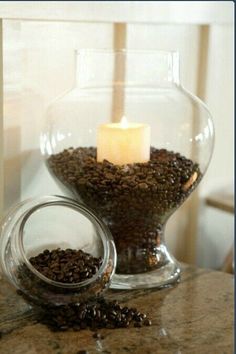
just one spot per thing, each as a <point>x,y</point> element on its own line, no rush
<point>123,143</point>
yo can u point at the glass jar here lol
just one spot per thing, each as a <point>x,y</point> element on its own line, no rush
<point>135,174</point>
<point>49,223</point>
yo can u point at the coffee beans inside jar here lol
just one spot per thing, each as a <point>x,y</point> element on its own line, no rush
<point>73,266</point>
<point>66,266</point>
<point>133,200</point>
<point>69,276</point>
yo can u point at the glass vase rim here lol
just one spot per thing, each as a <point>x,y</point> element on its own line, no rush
<point>164,66</point>
<point>84,210</point>
<point>127,50</point>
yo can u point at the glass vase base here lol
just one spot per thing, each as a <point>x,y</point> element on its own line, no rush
<point>158,278</point>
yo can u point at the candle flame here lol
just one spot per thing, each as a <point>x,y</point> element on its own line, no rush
<point>124,122</point>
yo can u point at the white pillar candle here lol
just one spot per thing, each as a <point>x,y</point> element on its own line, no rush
<point>123,143</point>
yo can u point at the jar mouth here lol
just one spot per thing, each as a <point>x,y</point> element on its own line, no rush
<point>125,68</point>
<point>85,211</point>
<point>126,50</point>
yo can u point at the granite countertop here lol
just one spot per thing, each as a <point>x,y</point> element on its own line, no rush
<point>194,316</point>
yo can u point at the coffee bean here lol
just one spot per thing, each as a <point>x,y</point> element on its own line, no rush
<point>143,185</point>
<point>134,200</point>
<point>66,265</point>
<point>99,313</point>
<point>147,322</point>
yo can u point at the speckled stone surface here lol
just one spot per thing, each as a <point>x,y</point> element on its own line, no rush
<point>193,317</point>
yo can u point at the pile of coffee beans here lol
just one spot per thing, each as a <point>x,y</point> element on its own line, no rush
<point>101,314</point>
<point>71,266</point>
<point>134,200</point>
<point>66,266</point>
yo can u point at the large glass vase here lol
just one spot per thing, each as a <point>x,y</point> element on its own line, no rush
<point>132,144</point>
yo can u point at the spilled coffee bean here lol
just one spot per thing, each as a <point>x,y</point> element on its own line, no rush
<point>94,315</point>
<point>133,200</point>
<point>70,266</point>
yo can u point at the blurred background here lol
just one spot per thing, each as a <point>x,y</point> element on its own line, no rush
<point>38,41</point>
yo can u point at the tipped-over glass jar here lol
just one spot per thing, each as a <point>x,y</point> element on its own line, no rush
<point>132,144</point>
<point>50,223</point>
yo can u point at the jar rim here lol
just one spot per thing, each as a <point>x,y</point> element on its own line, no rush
<point>127,50</point>
<point>87,212</point>
<point>163,66</point>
